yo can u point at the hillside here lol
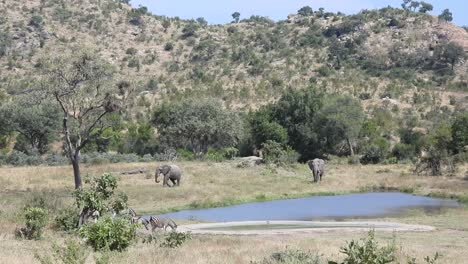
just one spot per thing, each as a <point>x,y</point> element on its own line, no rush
<point>376,54</point>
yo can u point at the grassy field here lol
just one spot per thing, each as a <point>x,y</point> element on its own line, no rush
<point>217,184</point>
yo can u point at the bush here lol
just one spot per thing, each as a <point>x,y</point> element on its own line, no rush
<point>291,257</point>
<point>72,253</point>
<point>368,251</point>
<point>67,219</point>
<point>175,239</point>
<point>35,220</point>
<point>373,154</point>
<point>185,154</point>
<point>169,46</point>
<point>109,234</point>
<point>276,153</point>
<point>17,158</point>
<point>403,151</point>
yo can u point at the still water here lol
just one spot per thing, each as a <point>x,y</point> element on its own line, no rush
<point>367,205</point>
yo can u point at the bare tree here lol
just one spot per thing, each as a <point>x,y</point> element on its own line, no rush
<point>84,87</point>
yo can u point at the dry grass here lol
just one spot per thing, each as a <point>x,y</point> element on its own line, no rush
<point>208,184</point>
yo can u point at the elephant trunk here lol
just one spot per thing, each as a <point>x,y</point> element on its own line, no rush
<point>156,177</point>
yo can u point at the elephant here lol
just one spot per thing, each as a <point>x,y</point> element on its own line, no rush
<point>317,166</point>
<point>170,172</point>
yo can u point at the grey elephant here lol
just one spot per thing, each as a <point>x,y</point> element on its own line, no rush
<point>317,166</point>
<point>169,172</point>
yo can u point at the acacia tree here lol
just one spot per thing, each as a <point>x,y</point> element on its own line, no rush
<point>446,15</point>
<point>236,16</point>
<point>83,86</point>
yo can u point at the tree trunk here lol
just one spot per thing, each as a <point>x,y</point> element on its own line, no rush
<point>350,147</point>
<point>76,170</point>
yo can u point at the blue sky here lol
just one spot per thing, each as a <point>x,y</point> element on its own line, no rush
<point>219,11</point>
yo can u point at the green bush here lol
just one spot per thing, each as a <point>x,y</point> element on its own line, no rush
<point>175,239</point>
<point>67,219</point>
<point>185,154</point>
<point>35,220</point>
<point>276,153</point>
<point>292,257</point>
<point>109,234</point>
<point>373,154</point>
<point>169,46</point>
<point>403,151</point>
<point>368,251</point>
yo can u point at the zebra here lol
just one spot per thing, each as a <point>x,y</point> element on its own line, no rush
<point>135,219</point>
<point>163,223</point>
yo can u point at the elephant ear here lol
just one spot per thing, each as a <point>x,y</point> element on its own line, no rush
<point>165,169</point>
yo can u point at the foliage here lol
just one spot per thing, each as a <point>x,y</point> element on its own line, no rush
<point>278,154</point>
<point>375,152</point>
<point>35,219</point>
<point>175,239</point>
<point>460,134</point>
<point>5,43</point>
<point>290,256</point>
<point>67,219</point>
<point>368,251</point>
<point>197,125</point>
<point>86,105</point>
<point>36,125</point>
<point>236,16</point>
<point>305,11</point>
<point>263,128</point>
<point>97,196</point>
<point>296,111</point>
<point>73,252</point>
<point>446,15</point>
<point>109,234</point>
<point>450,53</point>
<point>342,118</point>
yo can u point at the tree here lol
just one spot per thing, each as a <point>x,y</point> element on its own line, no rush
<point>197,125</point>
<point>405,4</point>
<point>37,125</point>
<point>425,7</point>
<point>264,128</point>
<point>450,53</point>
<point>85,88</point>
<point>460,134</point>
<point>236,16</point>
<point>414,5</point>
<point>446,15</point>
<point>343,118</point>
<point>297,112</point>
<point>305,11</point>
<point>202,21</point>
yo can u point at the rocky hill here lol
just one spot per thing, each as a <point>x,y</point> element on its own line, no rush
<point>388,57</point>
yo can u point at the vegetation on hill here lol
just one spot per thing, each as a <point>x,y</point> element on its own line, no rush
<point>380,86</point>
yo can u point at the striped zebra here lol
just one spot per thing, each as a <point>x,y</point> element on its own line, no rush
<point>163,223</point>
<point>135,219</point>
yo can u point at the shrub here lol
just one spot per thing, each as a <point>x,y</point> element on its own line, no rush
<point>71,253</point>
<point>403,151</point>
<point>185,154</point>
<point>276,153</point>
<point>109,234</point>
<point>35,220</point>
<point>368,251</point>
<point>169,46</point>
<point>291,257</point>
<point>175,239</point>
<point>67,219</point>
<point>373,154</point>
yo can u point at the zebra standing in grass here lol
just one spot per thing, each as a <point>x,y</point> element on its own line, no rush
<point>163,223</point>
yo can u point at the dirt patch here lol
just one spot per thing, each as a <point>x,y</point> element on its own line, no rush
<point>295,227</point>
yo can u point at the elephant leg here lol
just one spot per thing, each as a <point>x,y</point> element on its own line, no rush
<point>165,181</point>
<point>173,182</point>
<point>178,181</point>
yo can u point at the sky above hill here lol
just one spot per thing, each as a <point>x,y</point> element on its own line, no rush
<point>219,11</point>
